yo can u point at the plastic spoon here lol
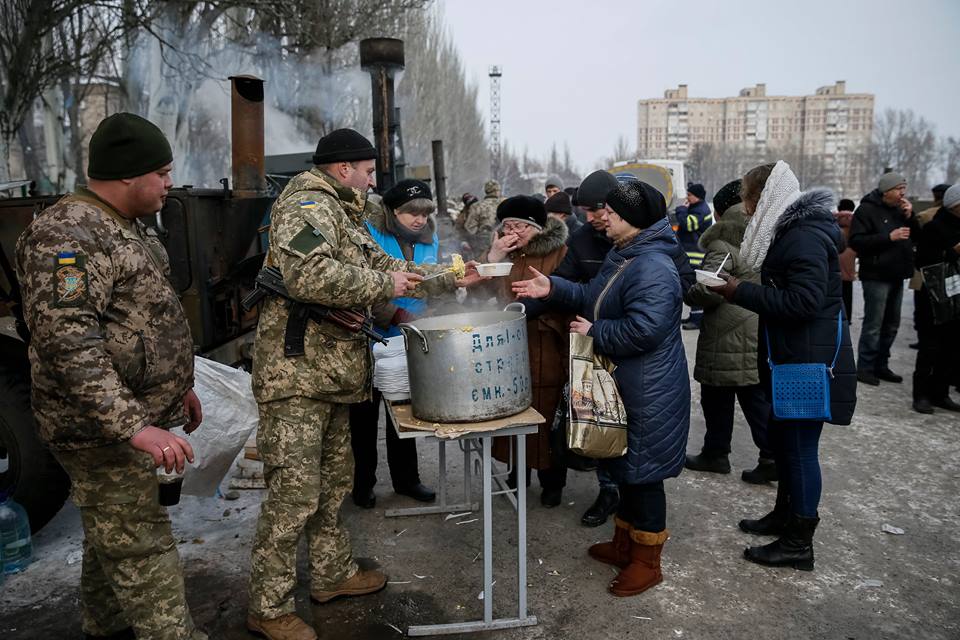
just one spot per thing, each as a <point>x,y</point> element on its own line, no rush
<point>717,274</point>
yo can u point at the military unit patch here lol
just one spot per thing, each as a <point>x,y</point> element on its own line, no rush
<point>308,204</point>
<point>71,279</point>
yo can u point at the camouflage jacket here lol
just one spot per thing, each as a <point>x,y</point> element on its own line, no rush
<point>319,243</point>
<point>481,218</point>
<point>110,349</point>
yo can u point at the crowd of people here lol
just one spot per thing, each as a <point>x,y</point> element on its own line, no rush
<point>112,359</point>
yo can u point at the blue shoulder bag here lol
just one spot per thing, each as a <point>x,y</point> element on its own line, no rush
<point>802,391</point>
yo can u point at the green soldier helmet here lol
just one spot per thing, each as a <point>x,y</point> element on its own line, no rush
<point>491,188</point>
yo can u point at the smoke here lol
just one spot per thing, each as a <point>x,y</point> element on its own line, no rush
<point>185,92</point>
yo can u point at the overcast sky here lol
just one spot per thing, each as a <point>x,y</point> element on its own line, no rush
<point>574,70</point>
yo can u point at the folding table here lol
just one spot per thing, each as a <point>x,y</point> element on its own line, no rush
<point>476,436</point>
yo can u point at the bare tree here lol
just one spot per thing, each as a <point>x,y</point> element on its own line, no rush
<point>951,159</point>
<point>30,62</point>
<point>906,142</point>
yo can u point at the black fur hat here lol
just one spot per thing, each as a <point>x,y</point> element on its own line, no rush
<point>525,208</point>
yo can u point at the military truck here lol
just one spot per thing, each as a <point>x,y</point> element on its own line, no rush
<point>216,246</point>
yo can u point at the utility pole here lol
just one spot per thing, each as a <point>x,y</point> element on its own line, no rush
<point>495,75</point>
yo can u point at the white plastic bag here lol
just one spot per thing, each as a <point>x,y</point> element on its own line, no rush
<point>229,416</point>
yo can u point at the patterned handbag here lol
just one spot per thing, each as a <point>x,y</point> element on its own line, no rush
<point>802,391</point>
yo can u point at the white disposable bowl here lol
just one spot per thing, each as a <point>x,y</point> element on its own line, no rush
<point>707,278</point>
<point>494,268</point>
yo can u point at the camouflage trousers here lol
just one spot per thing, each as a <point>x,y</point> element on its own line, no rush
<point>308,469</point>
<point>131,573</point>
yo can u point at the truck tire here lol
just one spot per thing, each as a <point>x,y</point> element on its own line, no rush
<point>39,483</point>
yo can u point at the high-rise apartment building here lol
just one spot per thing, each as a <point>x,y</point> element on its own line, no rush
<point>830,128</point>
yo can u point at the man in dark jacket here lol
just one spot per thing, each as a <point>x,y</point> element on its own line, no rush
<point>880,234</point>
<point>693,219</point>
<point>939,354</point>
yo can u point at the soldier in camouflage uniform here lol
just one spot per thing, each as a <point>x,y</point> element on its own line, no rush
<point>318,242</point>
<point>480,220</point>
<point>112,365</point>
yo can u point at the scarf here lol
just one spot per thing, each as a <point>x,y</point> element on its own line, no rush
<point>780,191</point>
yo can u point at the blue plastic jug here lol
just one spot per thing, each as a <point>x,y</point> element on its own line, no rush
<point>16,550</point>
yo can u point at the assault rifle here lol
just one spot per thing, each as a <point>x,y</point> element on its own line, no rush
<point>269,282</point>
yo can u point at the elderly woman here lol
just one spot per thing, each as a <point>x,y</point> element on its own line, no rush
<point>528,238</point>
<point>404,228</point>
<point>632,310</point>
<point>793,240</point>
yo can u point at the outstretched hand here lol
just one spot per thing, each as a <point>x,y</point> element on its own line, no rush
<point>472,276</point>
<point>537,287</point>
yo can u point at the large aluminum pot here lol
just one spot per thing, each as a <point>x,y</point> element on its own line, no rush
<point>468,367</point>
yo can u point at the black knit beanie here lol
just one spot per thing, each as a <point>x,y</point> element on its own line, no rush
<point>638,203</point>
<point>405,191</point>
<point>126,146</point>
<point>592,192</point>
<point>525,208</point>
<point>697,189</point>
<point>343,145</point>
<point>727,196</point>
<point>846,204</point>
<point>559,203</point>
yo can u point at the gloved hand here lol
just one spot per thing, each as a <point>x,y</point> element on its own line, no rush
<point>728,288</point>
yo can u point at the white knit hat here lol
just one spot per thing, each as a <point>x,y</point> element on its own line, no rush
<point>951,197</point>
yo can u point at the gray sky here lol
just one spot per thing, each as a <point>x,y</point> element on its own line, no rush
<point>574,70</point>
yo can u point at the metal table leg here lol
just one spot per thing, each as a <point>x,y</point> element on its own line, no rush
<point>489,623</point>
<point>442,506</point>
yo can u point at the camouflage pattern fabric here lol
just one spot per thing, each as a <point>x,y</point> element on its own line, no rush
<point>319,243</point>
<point>308,468</point>
<point>111,350</point>
<point>131,570</point>
<point>480,221</point>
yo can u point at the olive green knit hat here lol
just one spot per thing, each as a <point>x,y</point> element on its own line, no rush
<point>125,146</point>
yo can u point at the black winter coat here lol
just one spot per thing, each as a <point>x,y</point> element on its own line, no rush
<point>880,257</point>
<point>586,249</point>
<point>800,296</point>
<point>938,238</point>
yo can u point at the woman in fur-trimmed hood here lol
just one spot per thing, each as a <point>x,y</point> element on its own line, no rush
<point>404,228</point>
<point>794,240</point>
<point>526,237</point>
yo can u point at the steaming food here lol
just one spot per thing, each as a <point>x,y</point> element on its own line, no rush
<point>458,267</point>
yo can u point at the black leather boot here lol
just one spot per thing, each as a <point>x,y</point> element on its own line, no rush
<point>712,462</point>
<point>765,471</point>
<point>792,549</point>
<point>606,504</point>
<point>773,523</point>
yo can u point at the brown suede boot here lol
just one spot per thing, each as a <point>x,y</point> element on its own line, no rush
<point>617,551</point>
<point>286,627</point>
<point>643,571</point>
<point>361,583</point>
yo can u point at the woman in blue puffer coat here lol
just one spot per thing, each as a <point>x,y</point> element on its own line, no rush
<point>632,310</point>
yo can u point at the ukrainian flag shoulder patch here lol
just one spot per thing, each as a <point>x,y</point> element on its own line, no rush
<point>70,280</point>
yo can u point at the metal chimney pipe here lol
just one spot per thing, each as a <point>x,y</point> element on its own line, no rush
<point>246,132</point>
<point>382,58</point>
<point>440,178</point>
